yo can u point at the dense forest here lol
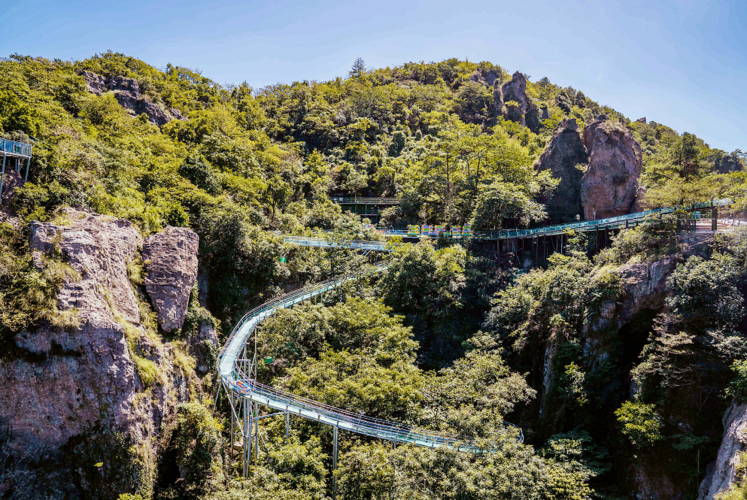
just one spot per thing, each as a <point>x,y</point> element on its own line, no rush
<point>619,388</point>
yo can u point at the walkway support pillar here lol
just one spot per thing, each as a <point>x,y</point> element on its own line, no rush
<point>714,219</point>
<point>247,448</point>
<point>2,178</point>
<point>233,425</point>
<point>28,164</point>
<point>256,435</point>
<point>287,425</point>
<point>334,461</point>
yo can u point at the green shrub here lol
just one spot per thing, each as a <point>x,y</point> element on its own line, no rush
<point>640,423</point>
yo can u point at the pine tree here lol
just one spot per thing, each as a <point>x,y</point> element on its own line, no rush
<point>358,69</point>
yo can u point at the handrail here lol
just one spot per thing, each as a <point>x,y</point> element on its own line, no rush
<point>610,222</point>
<point>15,148</point>
<point>365,200</point>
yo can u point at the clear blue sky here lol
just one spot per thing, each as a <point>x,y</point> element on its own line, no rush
<point>682,63</point>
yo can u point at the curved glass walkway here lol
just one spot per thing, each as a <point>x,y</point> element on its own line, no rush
<point>238,372</point>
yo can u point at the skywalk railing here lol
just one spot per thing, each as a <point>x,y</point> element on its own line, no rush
<point>15,148</point>
<point>610,222</point>
<point>363,200</point>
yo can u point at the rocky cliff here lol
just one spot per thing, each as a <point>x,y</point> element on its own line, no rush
<point>564,153</point>
<point>722,474</point>
<point>610,185</point>
<point>82,403</point>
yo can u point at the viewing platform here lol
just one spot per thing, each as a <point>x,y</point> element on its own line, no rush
<point>15,149</point>
<point>14,153</point>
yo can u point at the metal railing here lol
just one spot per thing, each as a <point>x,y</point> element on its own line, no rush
<point>363,200</point>
<point>610,223</point>
<point>243,384</point>
<point>15,148</point>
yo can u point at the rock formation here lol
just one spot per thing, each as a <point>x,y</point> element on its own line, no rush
<point>12,180</point>
<point>74,418</point>
<point>486,77</point>
<point>563,154</point>
<point>729,163</point>
<point>515,91</point>
<point>95,84</point>
<point>171,261</point>
<point>128,95</point>
<point>722,473</point>
<point>610,184</point>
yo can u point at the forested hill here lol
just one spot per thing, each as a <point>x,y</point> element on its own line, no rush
<point>442,136</point>
<point>152,220</point>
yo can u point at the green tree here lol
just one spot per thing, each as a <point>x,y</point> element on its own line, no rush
<point>358,69</point>
<point>503,203</point>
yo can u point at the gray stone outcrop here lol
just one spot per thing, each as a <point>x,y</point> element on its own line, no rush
<point>565,151</point>
<point>171,262</point>
<point>610,185</point>
<point>95,83</point>
<point>12,180</point>
<point>721,474</point>
<point>129,96</point>
<point>515,90</point>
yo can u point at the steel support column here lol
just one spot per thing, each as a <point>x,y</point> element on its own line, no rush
<point>2,178</point>
<point>256,435</point>
<point>247,451</point>
<point>233,424</point>
<point>334,461</point>
<point>28,164</point>
<point>714,219</point>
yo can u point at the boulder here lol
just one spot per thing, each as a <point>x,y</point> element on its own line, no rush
<point>71,397</point>
<point>12,180</point>
<point>722,473</point>
<point>610,185</point>
<point>641,120</point>
<point>564,152</point>
<point>171,263</point>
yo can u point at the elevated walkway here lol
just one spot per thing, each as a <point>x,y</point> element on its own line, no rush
<point>237,367</point>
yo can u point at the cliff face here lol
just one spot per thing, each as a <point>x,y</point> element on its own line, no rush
<point>564,152</point>
<point>81,407</point>
<point>610,185</point>
<point>722,473</point>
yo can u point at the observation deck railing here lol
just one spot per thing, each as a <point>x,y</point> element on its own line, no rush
<point>15,148</point>
<point>363,200</point>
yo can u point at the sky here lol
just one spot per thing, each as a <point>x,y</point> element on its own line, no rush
<point>682,63</point>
